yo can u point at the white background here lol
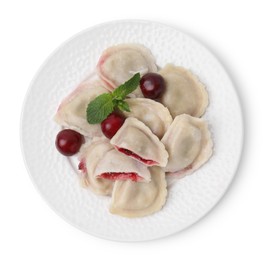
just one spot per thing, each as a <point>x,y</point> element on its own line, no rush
<point>238,32</point>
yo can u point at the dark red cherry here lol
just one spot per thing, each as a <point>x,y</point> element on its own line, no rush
<point>68,142</point>
<point>111,124</point>
<point>152,85</point>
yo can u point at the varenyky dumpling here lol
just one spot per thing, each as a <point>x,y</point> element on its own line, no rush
<point>138,199</point>
<point>101,164</point>
<point>119,63</point>
<point>136,140</point>
<point>116,166</point>
<point>90,155</point>
<point>153,114</point>
<point>184,93</point>
<point>72,111</point>
<point>189,144</point>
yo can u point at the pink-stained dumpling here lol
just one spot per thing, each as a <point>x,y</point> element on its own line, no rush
<point>153,114</point>
<point>90,155</point>
<point>189,145</point>
<point>119,63</point>
<point>136,140</point>
<point>72,110</point>
<point>130,199</point>
<point>116,166</point>
<point>184,93</point>
<point>100,165</point>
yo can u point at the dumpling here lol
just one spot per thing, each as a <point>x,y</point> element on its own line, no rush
<point>189,144</point>
<point>184,93</point>
<point>153,114</point>
<point>130,199</point>
<point>119,63</point>
<point>116,166</point>
<point>72,111</point>
<point>100,165</point>
<point>90,155</point>
<point>136,140</point>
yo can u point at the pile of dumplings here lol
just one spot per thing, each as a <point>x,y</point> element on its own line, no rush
<point>167,135</point>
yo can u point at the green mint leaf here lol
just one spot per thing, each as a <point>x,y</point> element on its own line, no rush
<point>99,108</point>
<point>103,105</point>
<point>123,106</point>
<point>129,86</point>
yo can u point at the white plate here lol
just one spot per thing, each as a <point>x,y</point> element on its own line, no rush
<point>54,175</point>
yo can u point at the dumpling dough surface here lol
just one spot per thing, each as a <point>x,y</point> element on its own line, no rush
<point>119,63</point>
<point>184,93</point>
<point>131,199</point>
<point>72,110</point>
<point>134,136</point>
<point>189,144</point>
<point>90,155</point>
<point>115,162</point>
<point>153,114</point>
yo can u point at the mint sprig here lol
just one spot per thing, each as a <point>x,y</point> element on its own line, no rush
<point>129,86</point>
<point>99,108</point>
<point>123,105</point>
